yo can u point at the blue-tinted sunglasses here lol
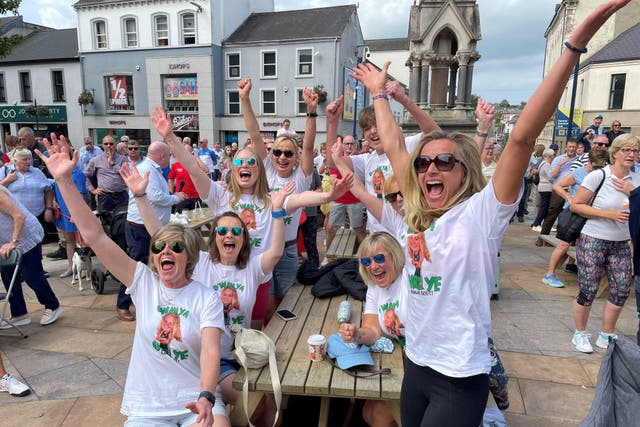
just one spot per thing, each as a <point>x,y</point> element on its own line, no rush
<point>377,258</point>
<point>223,231</point>
<point>249,161</point>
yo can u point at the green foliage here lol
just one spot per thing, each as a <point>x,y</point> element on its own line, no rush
<point>474,100</point>
<point>85,97</point>
<point>7,43</point>
<point>504,104</point>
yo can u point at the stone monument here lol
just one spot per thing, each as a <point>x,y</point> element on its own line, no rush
<point>443,35</point>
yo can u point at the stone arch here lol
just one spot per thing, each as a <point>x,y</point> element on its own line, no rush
<point>445,42</point>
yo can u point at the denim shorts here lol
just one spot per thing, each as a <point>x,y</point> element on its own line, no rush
<point>228,367</point>
<point>284,273</point>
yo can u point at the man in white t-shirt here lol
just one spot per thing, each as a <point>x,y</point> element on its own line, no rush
<point>285,129</point>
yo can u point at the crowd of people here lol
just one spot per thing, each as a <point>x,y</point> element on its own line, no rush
<point>429,211</point>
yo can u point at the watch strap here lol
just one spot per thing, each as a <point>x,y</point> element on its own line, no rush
<point>207,395</point>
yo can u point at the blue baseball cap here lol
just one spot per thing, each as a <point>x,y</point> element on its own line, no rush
<point>347,356</point>
<point>554,146</point>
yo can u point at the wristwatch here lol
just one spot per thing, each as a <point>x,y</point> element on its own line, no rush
<point>312,114</point>
<point>208,395</point>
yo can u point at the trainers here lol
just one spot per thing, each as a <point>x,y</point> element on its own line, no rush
<point>17,321</point>
<point>581,341</point>
<point>49,316</point>
<point>571,268</point>
<point>603,339</point>
<point>539,242</point>
<point>552,280</point>
<point>536,228</point>
<point>60,253</point>
<point>11,384</point>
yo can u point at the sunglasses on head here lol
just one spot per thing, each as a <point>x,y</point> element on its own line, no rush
<point>444,162</point>
<point>287,153</point>
<point>249,161</point>
<point>377,258</point>
<point>176,246</point>
<point>223,231</point>
<point>392,197</point>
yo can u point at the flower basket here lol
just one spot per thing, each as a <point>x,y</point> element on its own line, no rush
<point>40,110</point>
<point>85,97</point>
<point>322,94</point>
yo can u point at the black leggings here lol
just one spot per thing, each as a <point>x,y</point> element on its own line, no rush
<point>429,398</point>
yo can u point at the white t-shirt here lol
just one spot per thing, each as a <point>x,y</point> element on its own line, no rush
<point>164,370</point>
<point>394,224</point>
<point>373,169</point>
<point>608,198</point>
<point>252,212</point>
<point>389,304</point>
<point>276,182</point>
<point>448,319</point>
<point>318,161</point>
<point>239,298</point>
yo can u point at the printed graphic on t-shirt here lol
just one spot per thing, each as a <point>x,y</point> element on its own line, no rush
<point>231,305</point>
<point>247,213</point>
<point>392,324</point>
<point>168,331</point>
<point>377,179</point>
<point>418,253</point>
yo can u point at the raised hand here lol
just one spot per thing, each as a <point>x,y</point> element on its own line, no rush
<point>334,110</point>
<point>310,99</point>
<point>278,197</point>
<point>337,151</point>
<point>244,87</point>
<point>374,80</point>
<point>396,91</point>
<point>162,122</point>
<point>340,186</point>
<point>592,23</point>
<point>59,163</point>
<point>131,176</point>
<point>485,112</point>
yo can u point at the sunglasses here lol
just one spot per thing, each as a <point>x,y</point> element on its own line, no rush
<point>600,144</point>
<point>176,246</point>
<point>133,148</point>
<point>223,231</point>
<point>108,144</point>
<point>287,153</point>
<point>616,126</point>
<point>444,162</point>
<point>249,161</point>
<point>377,258</point>
<point>392,197</point>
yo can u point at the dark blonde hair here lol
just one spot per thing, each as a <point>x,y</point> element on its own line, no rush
<point>419,214</point>
<point>245,251</point>
<point>622,141</point>
<point>261,187</point>
<point>367,118</point>
<point>390,244</point>
<point>598,156</point>
<point>192,240</point>
<point>388,182</point>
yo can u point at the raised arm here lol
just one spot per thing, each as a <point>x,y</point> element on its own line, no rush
<point>250,121</point>
<point>311,101</point>
<point>388,130</point>
<point>271,256</point>
<point>424,120</point>
<point>61,166</point>
<point>485,112</point>
<point>542,105</point>
<point>164,126</point>
<point>138,186</point>
<point>315,198</point>
<point>334,110</point>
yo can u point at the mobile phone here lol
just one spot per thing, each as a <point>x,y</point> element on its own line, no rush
<point>286,315</point>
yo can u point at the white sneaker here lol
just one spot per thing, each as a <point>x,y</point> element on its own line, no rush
<point>581,341</point>
<point>11,384</point>
<point>17,321</point>
<point>536,228</point>
<point>603,339</point>
<point>49,316</point>
<point>324,262</point>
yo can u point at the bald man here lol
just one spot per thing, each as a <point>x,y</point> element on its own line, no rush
<point>138,239</point>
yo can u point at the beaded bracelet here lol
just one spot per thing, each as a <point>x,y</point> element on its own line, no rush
<point>380,96</point>
<point>575,49</point>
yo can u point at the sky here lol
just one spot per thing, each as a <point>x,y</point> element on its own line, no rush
<point>512,45</point>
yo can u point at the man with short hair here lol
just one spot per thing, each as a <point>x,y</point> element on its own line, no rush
<point>104,170</point>
<point>138,239</point>
<point>87,152</point>
<point>596,128</point>
<point>218,151</point>
<point>27,139</point>
<point>285,129</point>
<point>207,156</point>
<point>133,151</point>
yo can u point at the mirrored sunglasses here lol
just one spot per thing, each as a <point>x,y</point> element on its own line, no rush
<point>444,162</point>
<point>377,258</point>
<point>249,161</point>
<point>176,246</point>
<point>223,231</point>
<point>287,153</point>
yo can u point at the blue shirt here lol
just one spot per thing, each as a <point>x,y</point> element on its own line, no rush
<point>208,157</point>
<point>29,188</point>
<point>86,155</point>
<point>157,193</point>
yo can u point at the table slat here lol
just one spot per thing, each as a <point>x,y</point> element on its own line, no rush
<point>392,383</point>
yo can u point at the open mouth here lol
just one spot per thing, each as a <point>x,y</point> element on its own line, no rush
<point>379,276</point>
<point>167,264</point>
<point>229,246</point>
<point>245,174</point>
<point>435,188</point>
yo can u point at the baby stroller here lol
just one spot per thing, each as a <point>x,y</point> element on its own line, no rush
<point>113,224</point>
<point>14,260</point>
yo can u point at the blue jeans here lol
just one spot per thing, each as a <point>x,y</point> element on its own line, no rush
<point>522,206</point>
<point>30,270</point>
<point>545,198</point>
<point>138,241</point>
<point>284,273</point>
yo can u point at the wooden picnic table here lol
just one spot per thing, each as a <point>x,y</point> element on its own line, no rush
<point>299,375</point>
<point>200,219</point>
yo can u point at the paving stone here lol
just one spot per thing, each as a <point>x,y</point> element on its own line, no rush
<point>512,339</point>
<point>34,362</point>
<point>520,420</point>
<point>86,318</point>
<point>35,414</point>
<point>516,404</point>
<point>592,368</point>
<point>103,411</point>
<point>115,369</point>
<point>535,322</point>
<point>564,401</point>
<point>80,379</point>
<point>545,368</point>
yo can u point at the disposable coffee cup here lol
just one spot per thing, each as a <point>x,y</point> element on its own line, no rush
<point>317,347</point>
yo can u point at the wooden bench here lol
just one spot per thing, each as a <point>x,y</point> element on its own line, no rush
<point>344,245</point>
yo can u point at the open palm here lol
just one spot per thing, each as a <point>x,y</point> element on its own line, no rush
<point>59,163</point>
<point>131,176</point>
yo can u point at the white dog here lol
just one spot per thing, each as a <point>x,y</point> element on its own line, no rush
<point>81,262</point>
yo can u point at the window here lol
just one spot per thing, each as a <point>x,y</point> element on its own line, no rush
<point>130,32</point>
<point>233,66</point>
<point>3,89</point>
<point>25,86</point>
<point>301,107</point>
<point>268,101</point>
<point>269,68</point>
<point>119,91</point>
<point>100,34</point>
<point>616,95</point>
<point>233,102</point>
<point>161,30</point>
<point>57,82</point>
<point>188,23</point>
<point>305,62</point>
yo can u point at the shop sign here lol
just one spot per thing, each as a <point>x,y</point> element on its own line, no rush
<point>14,114</point>
<point>118,122</point>
<point>185,122</point>
<point>271,124</point>
<point>181,88</point>
<point>184,65</point>
<point>118,90</point>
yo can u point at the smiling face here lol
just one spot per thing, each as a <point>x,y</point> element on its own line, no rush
<point>438,187</point>
<point>171,266</point>
<point>398,205</point>
<point>383,274</point>
<point>229,245</point>
<point>371,135</point>
<point>246,175</point>
<point>284,165</point>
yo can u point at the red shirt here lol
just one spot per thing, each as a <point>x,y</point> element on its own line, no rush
<point>347,198</point>
<point>180,174</point>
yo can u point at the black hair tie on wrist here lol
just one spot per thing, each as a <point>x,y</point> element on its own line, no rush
<point>575,49</point>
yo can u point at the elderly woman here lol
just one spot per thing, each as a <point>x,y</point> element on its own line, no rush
<point>175,359</point>
<point>604,240</point>
<point>20,230</point>
<point>544,188</point>
<point>458,224</point>
<point>614,131</point>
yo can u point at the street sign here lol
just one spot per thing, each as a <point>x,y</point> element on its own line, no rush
<point>57,114</point>
<point>562,122</point>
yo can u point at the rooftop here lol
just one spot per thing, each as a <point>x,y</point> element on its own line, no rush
<point>625,47</point>
<point>43,46</point>
<point>378,45</point>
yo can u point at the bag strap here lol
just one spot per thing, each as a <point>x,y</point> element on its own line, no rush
<point>593,198</point>
<point>363,371</point>
<point>275,380</point>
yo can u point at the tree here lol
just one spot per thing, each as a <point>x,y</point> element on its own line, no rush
<point>504,104</point>
<point>522,104</point>
<point>7,43</point>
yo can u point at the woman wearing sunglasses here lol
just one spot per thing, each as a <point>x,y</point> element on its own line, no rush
<point>381,264</point>
<point>174,365</point>
<point>461,222</point>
